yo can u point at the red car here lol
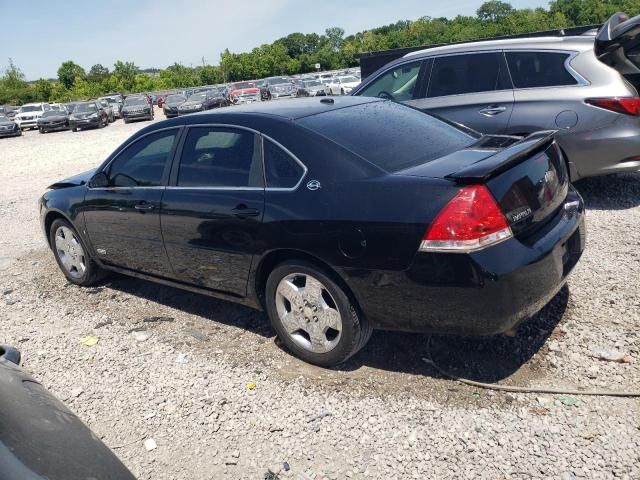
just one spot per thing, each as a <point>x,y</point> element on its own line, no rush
<point>244,92</point>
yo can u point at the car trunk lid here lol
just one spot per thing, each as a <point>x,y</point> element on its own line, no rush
<point>617,44</point>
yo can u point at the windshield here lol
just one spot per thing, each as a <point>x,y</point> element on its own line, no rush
<point>241,85</point>
<point>70,107</point>
<point>175,99</point>
<point>30,108</point>
<point>3,118</point>
<point>85,108</point>
<point>197,97</point>
<point>110,100</point>
<point>52,113</point>
<point>278,81</point>
<point>134,101</point>
<point>374,131</point>
<point>312,83</point>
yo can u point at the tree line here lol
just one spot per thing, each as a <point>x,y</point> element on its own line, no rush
<point>299,52</point>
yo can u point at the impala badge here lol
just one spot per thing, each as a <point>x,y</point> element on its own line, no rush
<point>314,185</point>
<point>519,214</point>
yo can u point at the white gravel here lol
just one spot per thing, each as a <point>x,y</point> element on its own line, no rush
<point>386,414</point>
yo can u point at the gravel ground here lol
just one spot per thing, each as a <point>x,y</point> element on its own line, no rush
<point>237,403</point>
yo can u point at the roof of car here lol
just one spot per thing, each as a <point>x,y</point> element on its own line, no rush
<point>579,43</point>
<point>289,109</point>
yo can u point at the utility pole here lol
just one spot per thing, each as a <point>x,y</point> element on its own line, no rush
<point>203,60</point>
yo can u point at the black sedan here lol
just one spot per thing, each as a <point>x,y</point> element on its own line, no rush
<point>53,120</point>
<point>201,101</point>
<point>41,439</point>
<point>137,107</point>
<point>171,104</point>
<point>9,128</point>
<point>337,216</point>
<point>88,115</point>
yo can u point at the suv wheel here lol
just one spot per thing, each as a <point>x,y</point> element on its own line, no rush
<point>72,256</point>
<point>313,316</point>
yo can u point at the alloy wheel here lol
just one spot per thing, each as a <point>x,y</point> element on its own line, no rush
<point>70,252</point>
<point>308,312</point>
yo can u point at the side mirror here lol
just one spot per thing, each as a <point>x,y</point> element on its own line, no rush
<point>99,180</point>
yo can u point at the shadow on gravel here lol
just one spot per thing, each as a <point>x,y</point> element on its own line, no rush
<point>212,309</point>
<point>485,359</point>
<point>613,192</point>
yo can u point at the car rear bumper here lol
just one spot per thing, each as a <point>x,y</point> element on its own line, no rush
<point>482,293</point>
<point>137,116</point>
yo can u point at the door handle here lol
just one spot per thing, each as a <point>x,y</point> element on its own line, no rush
<point>492,110</point>
<point>144,206</point>
<point>242,211</point>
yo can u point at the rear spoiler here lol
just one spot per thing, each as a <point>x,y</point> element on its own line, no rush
<point>504,159</point>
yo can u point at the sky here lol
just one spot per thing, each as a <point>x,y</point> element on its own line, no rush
<point>41,34</point>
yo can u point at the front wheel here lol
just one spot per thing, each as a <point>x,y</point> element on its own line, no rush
<point>314,316</point>
<point>72,256</point>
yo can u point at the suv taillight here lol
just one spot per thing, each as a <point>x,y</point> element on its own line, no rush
<point>626,105</point>
<point>472,220</point>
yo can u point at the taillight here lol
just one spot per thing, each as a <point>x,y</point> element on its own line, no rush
<point>627,105</point>
<point>472,220</point>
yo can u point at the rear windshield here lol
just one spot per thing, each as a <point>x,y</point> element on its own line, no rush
<point>389,135</point>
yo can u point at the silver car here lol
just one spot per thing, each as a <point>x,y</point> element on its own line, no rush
<point>586,87</point>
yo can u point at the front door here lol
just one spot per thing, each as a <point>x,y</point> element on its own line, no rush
<point>212,212</point>
<point>123,219</point>
<point>473,89</point>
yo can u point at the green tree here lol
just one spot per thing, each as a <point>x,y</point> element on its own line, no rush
<point>125,75</point>
<point>98,73</point>
<point>42,90</point>
<point>68,72</point>
<point>494,10</point>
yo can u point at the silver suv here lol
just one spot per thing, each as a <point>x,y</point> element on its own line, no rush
<point>586,87</point>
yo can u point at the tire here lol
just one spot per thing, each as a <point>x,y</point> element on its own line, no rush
<point>342,91</point>
<point>80,269</point>
<point>333,346</point>
<point>74,129</point>
<point>41,130</point>
<point>126,120</point>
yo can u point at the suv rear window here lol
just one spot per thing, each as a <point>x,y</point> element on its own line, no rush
<point>539,69</point>
<point>389,135</point>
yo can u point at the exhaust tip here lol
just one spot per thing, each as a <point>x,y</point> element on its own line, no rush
<point>10,354</point>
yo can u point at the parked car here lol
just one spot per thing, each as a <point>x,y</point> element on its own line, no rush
<point>70,107</point>
<point>199,102</point>
<point>335,215</point>
<point>57,106</point>
<point>585,86</point>
<point>27,116</point>
<point>115,104</point>
<point>41,438</point>
<point>106,106</point>
<point>171,104</point>
<point>88,115</point>
<point>342,85</point>
<point>9,111</point>
<point>137,107</point>
<point>53,120</point>
<point>310,88</point>
<point>276,87</point>
<point>8,127</point>
<point>244,92</point>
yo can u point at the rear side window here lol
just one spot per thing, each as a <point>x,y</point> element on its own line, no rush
<point>469,73</point>
<point>398,84</point>
<point>539,69</point>
<point>388,134</point>
<point>220,157</point>
<point>281,169</point>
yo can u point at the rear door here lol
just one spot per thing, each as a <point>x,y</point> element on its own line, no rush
<point>212,210</point>
<point>473,89</point>
<point>617,44</point>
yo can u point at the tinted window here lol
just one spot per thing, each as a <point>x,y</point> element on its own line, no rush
<point>473,73</point>
<point>281,170</point>
<point>142,164</point>
<point>388,134</point>
<point>219,157</point>
<point>398,83</point>
<point>539,69</point>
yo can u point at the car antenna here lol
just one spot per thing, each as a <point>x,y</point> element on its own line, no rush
<point>328,101</point>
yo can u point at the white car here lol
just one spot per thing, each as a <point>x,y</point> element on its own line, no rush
<point>342,85</point>
<point>29,113</point>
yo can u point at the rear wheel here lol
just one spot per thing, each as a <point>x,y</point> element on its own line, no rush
<point>74,129</point>
<point>313,316</point>
<point>41,130</point>
<point>72,256</point>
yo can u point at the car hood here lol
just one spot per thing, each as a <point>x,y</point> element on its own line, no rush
<point>28,114</point>
<point>75,181</point>
<point>191,104</point>
<point>351,84</point>
<point>245,91</point>
<point>5,124</point>
<point>134,107</point>
<point>53,118</point>
<point>41,438</point>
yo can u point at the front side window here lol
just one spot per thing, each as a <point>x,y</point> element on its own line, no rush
<point>281,169</point>
<point>142,164</point>
<point>398,84</point>
<point>539,69</point>
<point>220,157</point>
<point>469,73</point>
